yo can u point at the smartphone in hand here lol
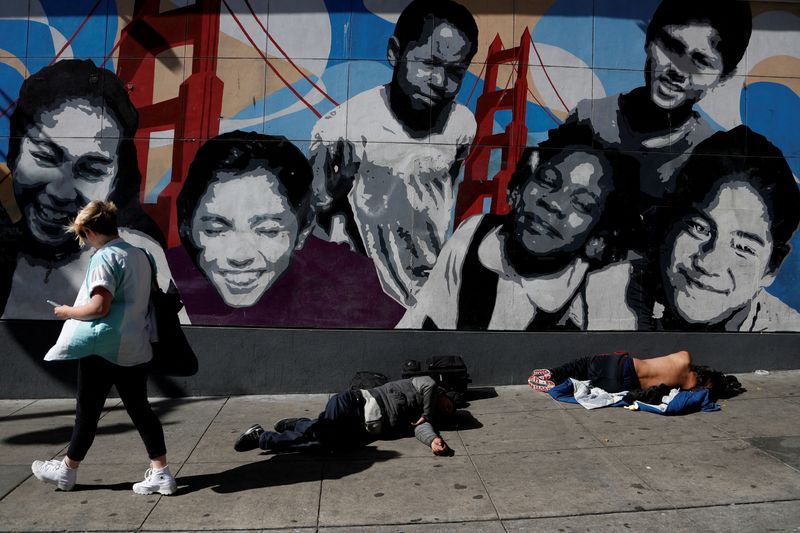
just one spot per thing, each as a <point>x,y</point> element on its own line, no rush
<point>54,304</point>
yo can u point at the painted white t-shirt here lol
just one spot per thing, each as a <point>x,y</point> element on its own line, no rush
<point>123,335</point>
<point>518,300</point>
<point>403,194</point>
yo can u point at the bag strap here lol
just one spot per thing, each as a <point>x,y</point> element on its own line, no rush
<point>153,278</point>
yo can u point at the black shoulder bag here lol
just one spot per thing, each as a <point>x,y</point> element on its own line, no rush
<point>172,353</point>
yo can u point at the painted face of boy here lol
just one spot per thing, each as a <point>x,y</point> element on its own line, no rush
<point>719,258</point>
<point>246,231</point>
<point>683,63</point>
<point>68,158</point>
<point>561,202</point>
<point>430,70</point>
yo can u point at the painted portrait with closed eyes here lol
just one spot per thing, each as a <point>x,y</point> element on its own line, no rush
<point>243,211</point>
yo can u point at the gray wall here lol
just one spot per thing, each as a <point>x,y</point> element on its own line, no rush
<point>272,361</point>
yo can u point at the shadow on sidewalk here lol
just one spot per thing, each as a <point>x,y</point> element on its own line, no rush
<point>61,434</point>
<point>280,470</point>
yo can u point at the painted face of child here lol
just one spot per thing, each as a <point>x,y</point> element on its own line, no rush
<point>246,231</point>
<point>561,202</point>
<point>719,258</point>
<point>683,63</point>
<point>430,70</point>
<point>68,158</point>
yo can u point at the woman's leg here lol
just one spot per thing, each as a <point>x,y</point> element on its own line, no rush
<point>131,385</point>
<point>94,383</point>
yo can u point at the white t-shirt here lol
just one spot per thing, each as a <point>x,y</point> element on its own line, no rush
<point>403,194</point>
<point>123,335</point>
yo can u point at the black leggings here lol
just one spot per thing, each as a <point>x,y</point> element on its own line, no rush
<point>612,372</point>
<point>96,375</point>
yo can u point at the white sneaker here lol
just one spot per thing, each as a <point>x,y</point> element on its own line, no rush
<point>56,472</point>
<point>161,481</point>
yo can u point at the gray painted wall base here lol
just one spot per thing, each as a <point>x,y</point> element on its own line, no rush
<point>272,361</point>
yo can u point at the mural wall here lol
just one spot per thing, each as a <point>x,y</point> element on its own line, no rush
<point>540,165</point>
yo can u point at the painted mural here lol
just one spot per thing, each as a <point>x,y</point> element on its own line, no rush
<point>429,164</point>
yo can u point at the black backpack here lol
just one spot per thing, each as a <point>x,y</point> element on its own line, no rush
<point>448,371</point>
<point>366,379</point>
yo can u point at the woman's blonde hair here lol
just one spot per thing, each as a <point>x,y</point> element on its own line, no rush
<point>99,217</point>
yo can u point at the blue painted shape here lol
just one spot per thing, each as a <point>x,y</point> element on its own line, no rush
<point>568,25</point>
<point>619,30</point>
<point>470,90</point>
<point>619,81</point>
<point>298,125</point>
<point>66,17</point>
<point>14,37</point>
<point>786,286</point>
<point>774,111</point>
<point>539,120</point>
<point>163,181</point>
<point>369,33</point>
<point>340,17</point>
<point>368,74</point>
<point>10,82</point>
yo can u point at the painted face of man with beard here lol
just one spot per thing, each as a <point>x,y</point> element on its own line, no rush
<point>559,205</point>
<point>428,73</point>
<point>67,157</point>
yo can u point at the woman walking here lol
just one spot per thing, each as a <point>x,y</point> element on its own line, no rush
<point>107,331</point>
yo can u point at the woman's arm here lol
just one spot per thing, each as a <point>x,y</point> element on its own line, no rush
<point>98,306</point>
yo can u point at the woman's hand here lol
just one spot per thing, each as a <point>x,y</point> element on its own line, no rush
<point>98,306</point>
<point>63,312</point>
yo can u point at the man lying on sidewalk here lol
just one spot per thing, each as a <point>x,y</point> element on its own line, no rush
<point>649,381</point>
<point>357,417</point>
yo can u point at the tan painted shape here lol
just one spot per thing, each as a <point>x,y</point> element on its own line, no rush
<point>170,71</point>
<point>7,199</point>
<point>764,71</point>
<point>14,63</point>
<point>759,8</point>
<point>159,162</point>
<point>232,47</point>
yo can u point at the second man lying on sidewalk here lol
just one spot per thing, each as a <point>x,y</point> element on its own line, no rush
<point>357,417</point>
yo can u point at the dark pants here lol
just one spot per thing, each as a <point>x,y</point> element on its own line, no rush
<point>340,426</point>
<point>95,378</point>
<point>612,372</point>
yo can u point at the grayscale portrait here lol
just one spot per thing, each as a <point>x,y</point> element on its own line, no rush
<point>71,142</point>
<point>385,162</point>
<point>691,47</point>
<point>247,258</point>
<point>572,211</point>
<point>712,251</point>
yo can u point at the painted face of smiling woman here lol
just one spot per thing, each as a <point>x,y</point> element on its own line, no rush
<point>720,255</point>
<point>245,232</point>
<point>67,159</point>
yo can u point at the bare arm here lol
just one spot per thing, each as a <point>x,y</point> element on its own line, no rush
<point>98,306</point>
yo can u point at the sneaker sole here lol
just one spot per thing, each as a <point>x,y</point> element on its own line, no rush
<point>541,387</point>
<point>59,486</point>
<point>146,492</point>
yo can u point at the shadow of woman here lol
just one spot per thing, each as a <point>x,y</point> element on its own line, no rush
<point>282,469</point>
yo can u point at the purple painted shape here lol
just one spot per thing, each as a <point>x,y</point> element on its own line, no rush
<point>326,286</point>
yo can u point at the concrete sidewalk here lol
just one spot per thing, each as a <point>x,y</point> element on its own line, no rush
<point>523,463</point>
